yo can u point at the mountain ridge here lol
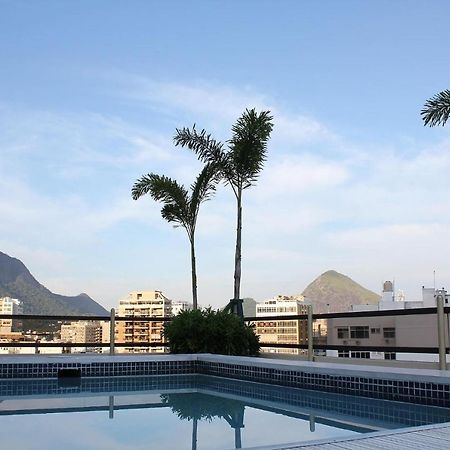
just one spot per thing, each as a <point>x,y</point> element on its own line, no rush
<point>17,281</point>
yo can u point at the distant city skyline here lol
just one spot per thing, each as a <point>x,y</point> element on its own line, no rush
<point>91,94</point>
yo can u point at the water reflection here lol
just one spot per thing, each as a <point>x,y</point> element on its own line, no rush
<point>197,406</point>
<point>111,406</point>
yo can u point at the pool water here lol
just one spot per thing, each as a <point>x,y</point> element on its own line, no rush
<point>186,412</point>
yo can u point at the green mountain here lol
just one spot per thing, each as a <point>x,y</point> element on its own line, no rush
<point>335,292</point>
<point>16,281</point>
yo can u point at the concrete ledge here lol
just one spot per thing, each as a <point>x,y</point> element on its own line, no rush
<point>323,368</point>
<point>377,372</point>
<point>87,358</point>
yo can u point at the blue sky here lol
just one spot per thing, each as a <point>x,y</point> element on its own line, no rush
<point>90,96</point>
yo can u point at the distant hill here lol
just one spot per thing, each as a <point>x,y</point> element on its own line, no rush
<point>338,291</point>
<point>16,281</point>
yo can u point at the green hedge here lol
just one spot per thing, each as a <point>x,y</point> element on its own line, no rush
<point>210,331</point>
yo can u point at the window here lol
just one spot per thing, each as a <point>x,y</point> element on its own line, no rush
<point>343,354</point>
<point>361,355</point>
<point>287,323</point>
<point>374,331</point>
<point>389,333</point>
<point>390,356</point>
<point>359,332</point>
<point>342,333</point>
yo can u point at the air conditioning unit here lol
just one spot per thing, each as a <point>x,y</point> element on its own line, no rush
<point>357,342</point>
<point>387,341</point>
<point>344,342</point>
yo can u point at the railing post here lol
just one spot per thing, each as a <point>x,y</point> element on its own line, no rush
<point>112,331</point>
<point>441,331</point>
<point>310,334</point>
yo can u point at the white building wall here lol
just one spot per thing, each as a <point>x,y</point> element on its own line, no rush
<point>11,306</point>
<point>178,306</point>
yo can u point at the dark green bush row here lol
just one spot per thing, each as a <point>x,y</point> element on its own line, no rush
<point>209,331</point>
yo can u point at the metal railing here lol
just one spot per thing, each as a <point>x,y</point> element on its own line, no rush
<point>310,346</point>
<point>112,319</point>
<point>440,311</point>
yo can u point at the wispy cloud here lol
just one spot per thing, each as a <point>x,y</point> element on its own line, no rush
<point>216,105</point>
<point>322,200</point>
<point>82,138</point>
<point>294,175</point>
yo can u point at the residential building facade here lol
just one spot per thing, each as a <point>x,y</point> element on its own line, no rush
<point>389,331</point>
<point>10,306</point>
<point>282,331</point>
<point>142,304</point>
<point>82,332</point>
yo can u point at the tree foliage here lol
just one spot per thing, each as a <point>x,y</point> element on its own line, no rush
<point>243,159</point>
<point>188,406</point>
<point>179,206</point>
<point>239,162</point>
<point>436,110</point>
<point>210,331</point>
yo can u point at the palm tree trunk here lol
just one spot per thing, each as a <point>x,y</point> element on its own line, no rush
<point>194,273</point>
<point>237,255</point>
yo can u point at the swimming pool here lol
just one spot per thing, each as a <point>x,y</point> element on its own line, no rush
<point>187,411</point>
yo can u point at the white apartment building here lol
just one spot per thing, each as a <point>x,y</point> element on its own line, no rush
<point>178,306</point>
<point>11,306</point>
<point>389,300</point>
<point>282,331</point>
<point>138,304</point>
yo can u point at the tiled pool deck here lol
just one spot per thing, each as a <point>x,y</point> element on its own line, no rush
<point>419,386</point>
<point>435,437</point>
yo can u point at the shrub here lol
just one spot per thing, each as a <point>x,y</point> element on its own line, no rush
<point>210,331</point>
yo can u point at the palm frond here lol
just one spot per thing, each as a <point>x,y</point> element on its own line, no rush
<point>202,144</point>
<point>436,110</point>
<point>161,188</point>
<point>164,189</point>
<point>142,186</point>
<point>248,144</point>
<point>171,213</point>
<point>204,186</point>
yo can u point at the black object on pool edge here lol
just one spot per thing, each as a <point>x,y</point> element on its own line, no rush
<point>69,373</point>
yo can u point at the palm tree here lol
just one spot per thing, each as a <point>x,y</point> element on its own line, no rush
<point>436,110</point>
<point>207,407</point>
<point>239,163</point>
<point>180,206</point>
